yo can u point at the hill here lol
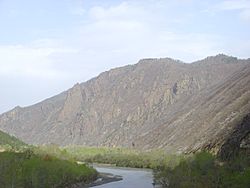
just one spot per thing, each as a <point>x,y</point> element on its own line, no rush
<point>156,103</point>
<point>11,141</point>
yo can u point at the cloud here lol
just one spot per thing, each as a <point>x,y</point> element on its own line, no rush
<point>126,32</point>
<point>245,14</point>
<point>243,6</point>
<point>30,73</point>
<point>116,35</point>
<point>122,11</point>
<point>234,5</point>
<point>33,60</point>
<point>79,11</point>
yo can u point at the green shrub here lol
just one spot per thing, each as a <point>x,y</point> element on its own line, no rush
<point>24,170</point>
<point>205,170</point>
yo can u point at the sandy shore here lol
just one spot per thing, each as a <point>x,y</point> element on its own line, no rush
<point>103,178</point>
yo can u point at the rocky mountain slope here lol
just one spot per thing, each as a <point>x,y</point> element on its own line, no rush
<point>156,103</point>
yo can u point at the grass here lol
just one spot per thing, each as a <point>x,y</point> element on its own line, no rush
<point>26,170</point>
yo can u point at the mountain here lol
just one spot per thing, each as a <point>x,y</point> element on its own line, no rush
<point>6,139</point>
<point>156,103</point>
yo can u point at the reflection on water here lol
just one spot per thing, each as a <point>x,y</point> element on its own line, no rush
<point>132,178</point>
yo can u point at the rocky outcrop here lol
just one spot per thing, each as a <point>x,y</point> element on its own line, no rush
<point>239,139</point>
<point>156,103</point>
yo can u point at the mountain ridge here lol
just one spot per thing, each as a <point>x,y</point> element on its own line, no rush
<point>129,65</point>
<point>146,105</point>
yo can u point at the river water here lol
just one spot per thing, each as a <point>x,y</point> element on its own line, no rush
<point>132,178</point>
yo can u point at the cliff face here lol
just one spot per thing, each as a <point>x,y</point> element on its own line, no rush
<point>156,103</point>
<point>238,140</point>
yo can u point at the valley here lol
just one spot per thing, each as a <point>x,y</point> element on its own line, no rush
<point>188,120</point>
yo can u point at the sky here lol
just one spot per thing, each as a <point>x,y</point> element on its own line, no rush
<point>48,46</point>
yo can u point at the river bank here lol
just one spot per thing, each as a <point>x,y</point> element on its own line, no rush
<point>103,178</point>
<point>26,169</point>
<point>131,177</point>
<point>111,176</point>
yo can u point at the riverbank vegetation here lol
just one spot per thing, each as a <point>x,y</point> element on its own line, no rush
<point>20,167</point>
<point>195,170</point>
<point>203,170</point>
<point>27,170</point>
<point>121,157</point>
<point>53,166</point>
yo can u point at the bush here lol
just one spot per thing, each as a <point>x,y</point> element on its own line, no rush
<point>26,170</point>
<point>205,170</point>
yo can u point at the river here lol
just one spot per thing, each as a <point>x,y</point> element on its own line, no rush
<point>131,177</point>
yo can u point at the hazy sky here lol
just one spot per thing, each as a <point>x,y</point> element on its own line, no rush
<point>46,46</point>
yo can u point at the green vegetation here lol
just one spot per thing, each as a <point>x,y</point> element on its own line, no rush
<point>197,170</point>
<point>21,168</point>
<point>117,156</point>
<point>206,171</point>
<point>8,142</point>
<point>26,170</point>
